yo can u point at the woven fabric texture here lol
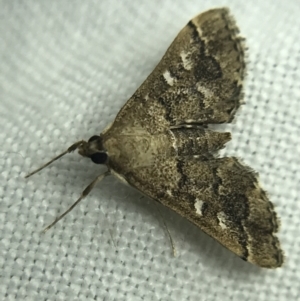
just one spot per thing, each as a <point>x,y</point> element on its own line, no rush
<point>66,69</point>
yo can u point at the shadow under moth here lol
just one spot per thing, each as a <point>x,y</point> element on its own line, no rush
<point>160,142</point>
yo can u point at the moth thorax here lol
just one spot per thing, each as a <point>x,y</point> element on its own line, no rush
<point>93,149</point>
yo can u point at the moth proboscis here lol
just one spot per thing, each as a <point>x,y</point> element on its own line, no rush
<point>160,142</point>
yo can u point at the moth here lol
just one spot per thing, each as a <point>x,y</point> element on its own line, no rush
<point>160,142</point>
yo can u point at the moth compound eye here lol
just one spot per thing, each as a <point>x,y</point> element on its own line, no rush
<point>95,137</point>
<point>99,158</point>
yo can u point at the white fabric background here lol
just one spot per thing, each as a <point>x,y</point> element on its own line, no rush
<point>66,69</point>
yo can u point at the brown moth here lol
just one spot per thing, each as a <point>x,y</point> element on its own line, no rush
<point>160,144</point>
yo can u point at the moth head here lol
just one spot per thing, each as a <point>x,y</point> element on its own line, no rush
<point>94,150</point>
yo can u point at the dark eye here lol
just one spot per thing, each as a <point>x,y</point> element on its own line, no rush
<point>95,137</point>
<point>99,158</point>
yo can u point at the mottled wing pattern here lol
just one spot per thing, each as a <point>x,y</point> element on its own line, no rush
<point>156,147</point>
<point>222,197</point>
<point>199,79</point>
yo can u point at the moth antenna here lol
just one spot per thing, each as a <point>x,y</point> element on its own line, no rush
<point>85,192</point>
<point>69,150</point>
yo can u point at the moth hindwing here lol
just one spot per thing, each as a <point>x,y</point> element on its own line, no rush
<point>160,144</point>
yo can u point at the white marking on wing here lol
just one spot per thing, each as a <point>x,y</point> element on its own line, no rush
<point>169,192</point>
<point>187,63</point>
<point>169,79</point>
<point>222,220</point>
<point>174,144</point>
<point>206,92</point>
<point>198,206</point>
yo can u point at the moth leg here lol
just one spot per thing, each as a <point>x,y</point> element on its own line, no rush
<point>112,238</point>
<point>85,192</point>
<point>167,229</point>
<point>69,150</point>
